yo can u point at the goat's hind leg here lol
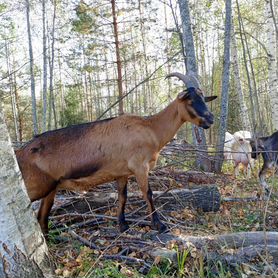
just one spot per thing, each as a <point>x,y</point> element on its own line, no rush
<point>262,176</point>
<point>122,196</point>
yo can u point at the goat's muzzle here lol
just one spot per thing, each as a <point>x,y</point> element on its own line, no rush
<point>207,121</point>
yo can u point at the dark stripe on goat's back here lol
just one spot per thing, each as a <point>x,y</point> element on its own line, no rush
<point>70,132</point>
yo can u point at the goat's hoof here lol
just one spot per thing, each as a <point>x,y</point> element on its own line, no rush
<point>123,227</point>
<point>160,227</point>
<point>45,233</point>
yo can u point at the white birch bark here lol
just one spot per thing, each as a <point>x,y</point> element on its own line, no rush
<point>225,87</point>
<point>23,250</point>
<point>32,77</point>
<point>272,65</point>
<point>44,92</point>
<point>11,89</point>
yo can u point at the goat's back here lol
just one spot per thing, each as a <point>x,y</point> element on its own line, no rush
<point>102,150</point>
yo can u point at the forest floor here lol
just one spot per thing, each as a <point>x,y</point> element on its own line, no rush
<point>84,239</point>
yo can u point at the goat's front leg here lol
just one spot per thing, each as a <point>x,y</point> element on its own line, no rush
<point>262,175</point>
<point>122,196</point>
<point>236,169</point>
<point>142,179</point>
<point>45,208</point>
<point>248,171</point>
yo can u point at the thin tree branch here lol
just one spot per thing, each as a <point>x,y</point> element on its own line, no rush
<point>139,84</point>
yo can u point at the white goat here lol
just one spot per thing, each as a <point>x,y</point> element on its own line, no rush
<point>241,152</point>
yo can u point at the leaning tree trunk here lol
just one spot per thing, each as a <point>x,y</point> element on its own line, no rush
<point>32,77</point>
<point>191,65</point>
<point>272,64</point>
<point>225,87</point>
<point>23,250</point>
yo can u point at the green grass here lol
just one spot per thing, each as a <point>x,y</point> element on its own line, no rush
<point>110,269</point>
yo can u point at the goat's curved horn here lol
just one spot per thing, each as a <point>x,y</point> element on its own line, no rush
<point>192,75</point>
<point>187,80</point>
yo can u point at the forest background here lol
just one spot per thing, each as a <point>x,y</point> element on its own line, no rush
<point>67,62</point>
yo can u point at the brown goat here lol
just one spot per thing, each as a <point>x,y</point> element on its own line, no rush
<point>82,156</point>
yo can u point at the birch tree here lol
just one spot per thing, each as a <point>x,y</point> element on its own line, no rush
<point>23,250</point>
<point>51,71</point>
<point>31,62</point>
<point>243,108</point>
<point>254,112</point>
<point>12,90</point>
<point>191,65</point>
<point>44,91</point>
<point>225,87</point>
<point>118,56</point>
<point>272,63</point>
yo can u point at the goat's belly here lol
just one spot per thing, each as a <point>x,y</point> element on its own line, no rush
<point>86,183</point>
<point>241,158</point>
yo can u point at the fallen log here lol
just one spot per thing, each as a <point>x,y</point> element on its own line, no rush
<point>241,247</point>
<point>233,240</point>
<point>246,254</point>
<point>205,198</point>
<point>241,199</point>
<point>185,177</point>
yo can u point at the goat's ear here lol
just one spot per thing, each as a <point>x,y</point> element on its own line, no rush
<point>208,99</point>
<point>40,147</point>
<point>183,95</point>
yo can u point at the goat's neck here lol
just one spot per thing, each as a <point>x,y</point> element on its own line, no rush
<point>166,123</point>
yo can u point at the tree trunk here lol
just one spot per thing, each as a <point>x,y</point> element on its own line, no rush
<point>191,65</point>
<point>167,42</point>
<point>11,90</point>
<point>252,106</point>
<point>51,72</point>
<point>85,79</point>
<point>272,64</point>
<point>32,77</point>
<point>19,115</point>
<point>236,248</point>
<point>225,87</point>
<point>259,127</point>
<point>44,90</point>
<point>23,250</point>
<point>91,115</point>
<point>62,90</point>
<point>243,108</point>
<point>118,57</point>
<point>108,78</point>
<point>146,85</point>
